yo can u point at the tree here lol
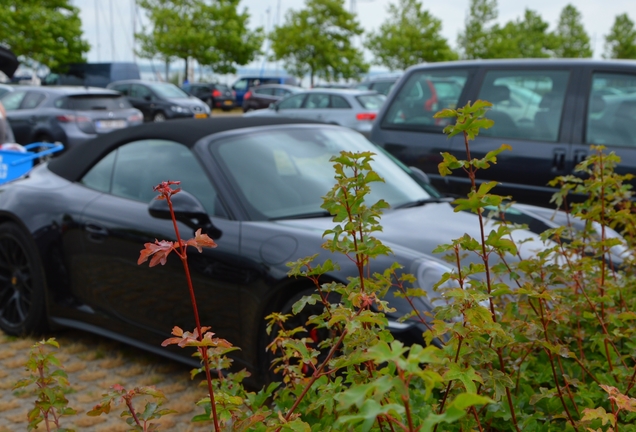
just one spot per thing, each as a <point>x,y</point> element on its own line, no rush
<point>475,41</point>
<point>620,43</point>
<point>317,41</point>
<point>526,38</point>
<point>48,32</point>
<point>409,36</point>
<point>571,39</point>
<point>214,33</point>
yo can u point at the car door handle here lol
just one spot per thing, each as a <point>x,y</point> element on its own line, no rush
<point>96,232</point>
<point>579,156</point>
<point>558,160</point>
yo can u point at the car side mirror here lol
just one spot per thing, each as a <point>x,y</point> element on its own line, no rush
<point>187,209</point>
<point>420,175</point>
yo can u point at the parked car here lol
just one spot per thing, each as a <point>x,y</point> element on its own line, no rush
<point>214,95</point>
<point>243,84</point>
<point>263,96</point>
<point>70,115</point>
<point>355,109</point>
<point>94,74</point>
<point>159,101</point>
<point>549,111</point>
<point>71,232</point>
<point>334,85</point>
<point>381,83</point>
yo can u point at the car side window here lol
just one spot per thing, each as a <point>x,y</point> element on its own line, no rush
<point>264,91</point>
<point>139,91</point>
<point>317,101</point>
<point>611,110</point>
<point>281,92</point>
<point>32,100</point>
<point>12,101</point>
<point>421,96</point>
<point>240,85</point>
<point>292,102</point>
<point>526,104</point>
<point>339,102</point>
<point>122,88</point>
<point>132,170</point>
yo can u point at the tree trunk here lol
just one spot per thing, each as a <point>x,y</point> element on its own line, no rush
<point>311,79</point>
<point>167,70</point>
<point>185,78</point>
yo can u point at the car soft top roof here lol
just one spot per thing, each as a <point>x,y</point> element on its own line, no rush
<point>74,163</point>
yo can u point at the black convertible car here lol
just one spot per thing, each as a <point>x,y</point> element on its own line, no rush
<point>72,230</point>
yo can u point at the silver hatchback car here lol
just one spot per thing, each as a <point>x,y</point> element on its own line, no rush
<point>355,109</point>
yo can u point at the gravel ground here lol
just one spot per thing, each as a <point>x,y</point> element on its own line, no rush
<point>93,364</point>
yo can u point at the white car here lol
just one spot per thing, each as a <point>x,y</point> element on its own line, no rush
<point>355,109</point>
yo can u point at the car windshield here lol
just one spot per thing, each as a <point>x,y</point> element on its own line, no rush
<point>284,173</point>
<point>168,90</point>
<point>372,101</point>
<point>98,102</point>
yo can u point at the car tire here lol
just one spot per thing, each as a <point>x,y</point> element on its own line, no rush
<point>297,320</point>
<point>159,117</point>
<point>22,283</point>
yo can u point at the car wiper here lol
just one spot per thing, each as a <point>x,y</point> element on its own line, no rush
<point>303,215</point>
<point>425,201</point>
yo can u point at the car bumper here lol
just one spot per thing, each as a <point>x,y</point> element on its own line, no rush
<point>225,103</point>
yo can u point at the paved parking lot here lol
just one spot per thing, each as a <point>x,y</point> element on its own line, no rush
<point>93,365</point>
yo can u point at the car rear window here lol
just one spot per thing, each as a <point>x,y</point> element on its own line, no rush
<point>222,87</point>
<point>371,102</point>
<point>95,102</point>
<point>423,94</point>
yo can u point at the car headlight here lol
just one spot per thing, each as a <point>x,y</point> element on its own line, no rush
<point>179,109</point>
<point>428,274</point>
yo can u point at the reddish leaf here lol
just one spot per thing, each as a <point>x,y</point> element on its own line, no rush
<point>165,190</point>
<point>200,240</point>
<point>159,250</point>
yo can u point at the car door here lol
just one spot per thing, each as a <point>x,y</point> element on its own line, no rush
<point>406,127</point>
<point>529,113</point>
<point>263,97</point>
<point>606,115</point>
<point>291,106</point>
<point>315,107</point>
<point>142,98</point>
<point>142,300</point>
<point>339,112</point>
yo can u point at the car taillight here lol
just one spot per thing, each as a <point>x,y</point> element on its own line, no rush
<point>67,118</point>
<point>247,95</point>
<point>216,93</point>
<point>366,116</point>
<point>135,118</point>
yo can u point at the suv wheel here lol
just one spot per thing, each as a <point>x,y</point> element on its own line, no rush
<point>159,117</point>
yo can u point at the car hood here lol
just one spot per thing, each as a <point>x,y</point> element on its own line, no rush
<point>187,102</point>
<point>419,230</point>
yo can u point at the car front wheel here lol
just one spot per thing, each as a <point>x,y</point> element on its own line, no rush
<point>159,117</point>
<point>22,305</point>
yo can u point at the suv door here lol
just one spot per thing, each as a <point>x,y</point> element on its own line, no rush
<point>405,126</point>
<point>529,115</point>
<point>142,98</point>
<point>608,115</point>
<point>316,107</point>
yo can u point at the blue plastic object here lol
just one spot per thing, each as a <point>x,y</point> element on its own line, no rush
<point>14,164</point>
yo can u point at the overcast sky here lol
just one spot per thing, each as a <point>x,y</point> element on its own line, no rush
<point>111,40</point>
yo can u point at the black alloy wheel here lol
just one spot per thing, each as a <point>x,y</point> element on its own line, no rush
<point>21,283</point>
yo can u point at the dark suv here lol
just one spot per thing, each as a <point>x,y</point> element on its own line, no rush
<point>549,111</point>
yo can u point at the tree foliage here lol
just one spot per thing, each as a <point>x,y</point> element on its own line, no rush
<point>317,41</point>
<point>571,39</point>
<point>522,38</point>
<point>214,33</point>
<point>475,42</point>
<point>48,32</point>
<point>620,43</point>
<point>409,36</point>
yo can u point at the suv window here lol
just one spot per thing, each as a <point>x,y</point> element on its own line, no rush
<point>383,87</point>
<point>611,110</point>
<point>339,102</point>
<point>292,102</point>
<point>32,100</point>
<point>526,104</point>
<point>12,101</point>
<point>139,91</point>
<point>317,101</point>
<point>265,91</point>
<point>423,94</point>
<point>121,88</point>
<point>132,170</point>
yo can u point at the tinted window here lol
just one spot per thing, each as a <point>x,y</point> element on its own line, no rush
<point>121,88</point>
<point>611,112</point>
<point>167,90</point>
<point>240,84</point>
<point>139,91</point>
<point>339,102</point>
<point>134,169</point>
<point>317,101</point>
<point>12,101</point>
<point>383,87</point>
<point>371,102</point>
<point>98,102</point>
<point>526,104</point>
<point>264,91</point>
<point>221,87</point>
<point>423,94</point>
<point>285,173</point>
<point>32,100</point>
<point>292,102</point>
<point>281,92</point>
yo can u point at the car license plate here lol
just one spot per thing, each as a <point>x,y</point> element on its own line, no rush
<point>200,115</point>
<point>110,124</point>
<point>228,102</point>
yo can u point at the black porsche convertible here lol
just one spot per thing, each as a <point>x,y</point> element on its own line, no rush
<point>71,231</point>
